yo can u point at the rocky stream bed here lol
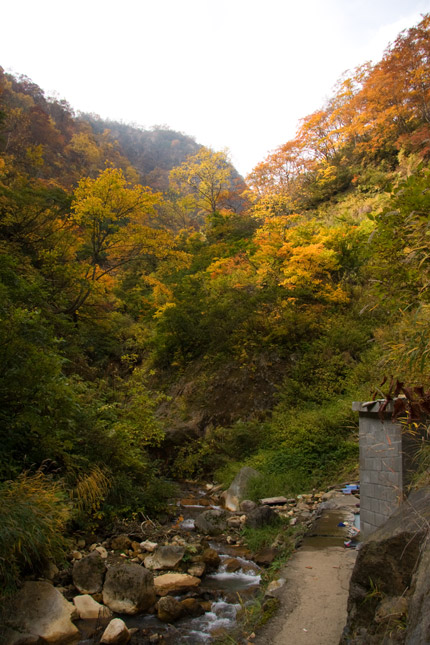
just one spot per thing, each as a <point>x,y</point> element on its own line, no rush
<point>184,581</point>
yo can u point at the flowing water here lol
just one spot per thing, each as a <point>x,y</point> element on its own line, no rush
<point>224,591</point>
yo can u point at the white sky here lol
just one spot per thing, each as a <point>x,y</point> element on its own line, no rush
<point>232,73</point>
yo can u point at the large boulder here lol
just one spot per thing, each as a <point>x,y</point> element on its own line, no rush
<point>128,588</point>
<point>88,573</point>
<point>165,557</point>
<point>237,490</point>
<point>175,583</point>
<point>41,612</point>
<point>212,522</point>
<point>391,571</point>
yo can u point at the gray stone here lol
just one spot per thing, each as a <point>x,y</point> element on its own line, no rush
<point>165,557</point>
<point>260,516</point>
<point>88,573</point>
<point>274,588</point>
<point>247,505</point>
<point>128,589</point>
<point>238,488</point>
<point>212,522</point>
<point>418,626</point>
<point>385,567</point>
<point>40,610</point>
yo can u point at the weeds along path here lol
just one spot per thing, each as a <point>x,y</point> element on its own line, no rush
<point>314,598</point>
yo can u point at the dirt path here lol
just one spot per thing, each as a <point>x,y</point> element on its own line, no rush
<point>313,600</point>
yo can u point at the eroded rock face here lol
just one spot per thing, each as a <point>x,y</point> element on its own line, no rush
<point>238,488</point>
<point>128,589</point>
<point>88,573</point>
<point>391,575</point>
<point>418,629</point>
<point>41,611</point>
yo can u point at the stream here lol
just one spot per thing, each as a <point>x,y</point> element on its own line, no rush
<point>224,592</point>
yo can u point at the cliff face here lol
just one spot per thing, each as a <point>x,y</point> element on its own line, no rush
<point>389,597</point>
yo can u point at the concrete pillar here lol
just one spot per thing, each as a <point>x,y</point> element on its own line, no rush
<point>387,458</point>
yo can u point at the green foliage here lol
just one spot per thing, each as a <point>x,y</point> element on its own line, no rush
<point>278,531</point>
<point>33,517</point>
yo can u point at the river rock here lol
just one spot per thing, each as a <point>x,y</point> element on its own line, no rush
<point>128,589</point>
<point>88,608</point>
<point>212,522</point>
<point>197,569</point>
<point>175,583</point>
<point>211,558</point>
<point>169,609</point>
<point>192,607</point>
<point>238,488</point>
<point>147,545</point>
<point>88,573</point>
<point>232,565</point>
<point>260,516</point>
<point>247,505</point>
<point>42,612</point>
<point>116,633</point>
<point>120,543</point>
<point>165,557</point>
<point>102,551</point>
<point>274,588</point>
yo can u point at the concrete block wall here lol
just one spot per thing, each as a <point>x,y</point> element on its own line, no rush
<point>386,465</point>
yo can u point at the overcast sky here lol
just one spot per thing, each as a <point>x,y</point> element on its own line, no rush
<point>232,73</point>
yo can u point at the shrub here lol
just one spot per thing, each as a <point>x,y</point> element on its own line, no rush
<point>33,516</point>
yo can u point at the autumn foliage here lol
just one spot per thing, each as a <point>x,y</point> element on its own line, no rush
<point>146,289</point>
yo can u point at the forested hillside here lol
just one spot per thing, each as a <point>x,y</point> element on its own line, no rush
<point>162,319</point>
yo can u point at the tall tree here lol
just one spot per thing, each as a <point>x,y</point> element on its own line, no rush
<point>206,177</point>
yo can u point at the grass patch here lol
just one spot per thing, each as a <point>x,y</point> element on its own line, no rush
<point>33,516</point>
